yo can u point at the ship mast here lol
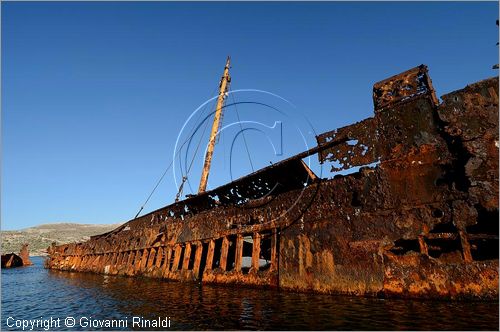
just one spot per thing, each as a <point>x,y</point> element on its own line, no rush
<point>224,84</point>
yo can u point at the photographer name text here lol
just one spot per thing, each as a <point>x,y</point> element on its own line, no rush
<point>85,322</point>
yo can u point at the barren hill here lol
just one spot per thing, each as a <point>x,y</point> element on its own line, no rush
<point>40,237</point>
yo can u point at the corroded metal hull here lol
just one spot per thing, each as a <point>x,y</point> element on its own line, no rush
<point>420,221</point>
<point>13,260</point>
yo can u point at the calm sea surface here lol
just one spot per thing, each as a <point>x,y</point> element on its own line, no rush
<point>33,292</point>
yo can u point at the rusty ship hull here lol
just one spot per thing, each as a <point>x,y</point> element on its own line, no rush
<point>419,219</point>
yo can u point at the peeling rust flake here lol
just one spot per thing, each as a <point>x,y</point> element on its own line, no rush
<point>418,219</point>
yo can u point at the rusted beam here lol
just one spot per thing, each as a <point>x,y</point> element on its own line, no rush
<point>256,251</point>
<point>223,255</point>
<point>210,255</point>
<point>239,253</point>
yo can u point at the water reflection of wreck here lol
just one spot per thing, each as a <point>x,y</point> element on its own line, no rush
<point>422,222</point>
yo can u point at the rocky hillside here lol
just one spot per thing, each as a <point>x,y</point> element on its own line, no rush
<point>40,237</point>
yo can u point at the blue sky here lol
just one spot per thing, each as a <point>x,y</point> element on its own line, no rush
<point>95,94</point>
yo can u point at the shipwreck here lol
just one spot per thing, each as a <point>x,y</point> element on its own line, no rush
<point>13,260</point>
<point>418,219</point>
